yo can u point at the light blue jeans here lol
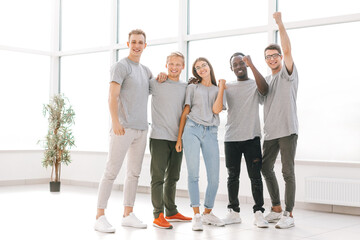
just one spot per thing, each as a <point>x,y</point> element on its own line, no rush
<point>198,136</point>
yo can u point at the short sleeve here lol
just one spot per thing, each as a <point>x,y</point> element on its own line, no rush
<point>118,73</point>
<point>152,85</point>
<point>287,76</point>
<point>149,73</point>
<point>189,96</point>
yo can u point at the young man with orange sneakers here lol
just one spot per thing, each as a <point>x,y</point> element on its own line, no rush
<point>167,104</point>
<point>280,126</point>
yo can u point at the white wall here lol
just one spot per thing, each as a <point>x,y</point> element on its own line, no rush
<point>24,167</point>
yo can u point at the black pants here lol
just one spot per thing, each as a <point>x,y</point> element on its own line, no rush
<point>252,153</point>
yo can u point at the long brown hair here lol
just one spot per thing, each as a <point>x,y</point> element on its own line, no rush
<point>212,74</point>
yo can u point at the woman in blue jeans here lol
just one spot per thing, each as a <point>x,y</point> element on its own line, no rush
<point>203,103</point>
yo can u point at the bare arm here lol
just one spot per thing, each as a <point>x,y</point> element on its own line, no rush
<point>184,114</point>
<point>218,104</point>
<point>285,43</point>
<point>262,85</point>
<point>114,94</point>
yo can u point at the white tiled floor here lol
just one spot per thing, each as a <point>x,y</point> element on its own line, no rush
<point>32,212</point>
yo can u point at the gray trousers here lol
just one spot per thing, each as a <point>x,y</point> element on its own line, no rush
<point>133,144</point>
<point>287,148</point>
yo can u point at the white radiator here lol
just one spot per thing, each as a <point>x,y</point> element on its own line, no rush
<point>344,192</point>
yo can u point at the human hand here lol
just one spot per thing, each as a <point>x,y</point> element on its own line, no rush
<point>277,17</point>
<point>118,129</point>
<point>178,146</point>
<point>193,80</point>
<point>247,60</point>
<point>161,77</point>
<point>222,83</point>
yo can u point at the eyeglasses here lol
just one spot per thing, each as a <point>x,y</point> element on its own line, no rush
<point>274,56</point>
<point>200,67</point>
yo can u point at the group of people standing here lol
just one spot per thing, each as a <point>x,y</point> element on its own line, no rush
<point>185,118</point>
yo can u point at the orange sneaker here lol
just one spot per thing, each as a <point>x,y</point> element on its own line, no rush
<point>178,218</point>
<point>161,222</point>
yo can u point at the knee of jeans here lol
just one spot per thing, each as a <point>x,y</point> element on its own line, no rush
<point>289,176</point>
<point>213,180</point>
<point>110,176</point>
<point>268,173</point>
<point>192,179</point>
<point>233,173</point>
<point>256,164</point>
<point>256,181</point>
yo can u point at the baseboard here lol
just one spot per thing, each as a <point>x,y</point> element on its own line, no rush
<point>184,193</point>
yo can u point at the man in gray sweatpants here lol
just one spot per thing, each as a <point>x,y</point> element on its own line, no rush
<point>128,96</point>
<point>280,126</point>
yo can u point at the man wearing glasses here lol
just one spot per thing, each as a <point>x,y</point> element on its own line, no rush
<point>280,126</point>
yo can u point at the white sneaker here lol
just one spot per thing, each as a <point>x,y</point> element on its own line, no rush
<point>232,217</point>
<point>285,221</point>
<point>273,217</point>
<point>197,223</point>
<point>102,225</point>
<point>260,221</point>
<point>211,219</point>
<point>132,221</point>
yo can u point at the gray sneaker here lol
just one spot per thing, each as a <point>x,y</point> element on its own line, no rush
<point>273,217</point>
<point>211,219</point>
<point>285,221</point>
<point>197,223</point>
<point>102,225</point>
<point>260,221</point>
<point>232,217</point>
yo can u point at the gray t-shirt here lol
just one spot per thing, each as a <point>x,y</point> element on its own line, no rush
<point>243,122</point>
<point>201,100</point>
<point>166,108</point>
<point>134,92</point>
<point>280,112</point>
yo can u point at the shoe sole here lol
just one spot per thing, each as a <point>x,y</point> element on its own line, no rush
<point>215,224</point>
<point>109,231</point>
<point>238,222</point>
<point>265,226</point>
<point>197,229</point>
<point>279,227</point>
<point>273,220</point>
<point>141,227</point>
<point>155,225</point>
<point>177,220</point>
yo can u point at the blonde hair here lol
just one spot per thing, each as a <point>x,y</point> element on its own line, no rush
<point>137,32</point>
<point>175,54</point>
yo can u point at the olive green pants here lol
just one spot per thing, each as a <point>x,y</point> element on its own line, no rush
<point>165,172</point>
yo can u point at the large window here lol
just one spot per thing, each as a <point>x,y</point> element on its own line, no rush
<point>26,24</point>
<point>159,19</point>
<point>24,88</point>
<point>85,24</point>
<point>328,98</point>
<point>296,10</point>
<point>85,81</point>
<point>210,16</point>
<point>92,35</point>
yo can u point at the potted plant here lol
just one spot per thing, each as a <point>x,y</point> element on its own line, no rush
<point>59,138</point>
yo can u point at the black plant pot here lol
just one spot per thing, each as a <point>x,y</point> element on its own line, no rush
<point>55,186</point>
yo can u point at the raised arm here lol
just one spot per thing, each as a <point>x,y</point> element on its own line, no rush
<point>114,94</point>
<point>262,85</point>
<point>184,114</point>
<point>285,43</point>
<point>218,104</point>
